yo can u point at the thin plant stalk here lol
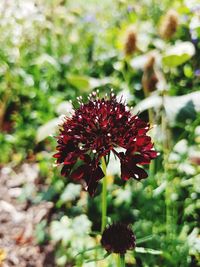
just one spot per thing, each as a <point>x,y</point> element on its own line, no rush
<point>121,260</point>
<point>166,152</point>
<point>151,121</point>
<point>150,111</point>
<point>166,170</point>
<point>104,197</point>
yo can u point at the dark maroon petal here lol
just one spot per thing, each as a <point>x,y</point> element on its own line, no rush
<point>86,158</point>
<point>57,155</point>
<point>66,139</point>
<point>141,159</point>
<point>139,173</point>
<point>152,154</point>
<point>70,158</point>
<point>92,177</point>
<point>98,173</point>
<point>126,166</point>
<point>147,147</point>
<point>142,131</point>
<point>66,170</point>
<point>130,169</point>
<point>125,172</point>
<point>92,187</point>
<point>79,173</point>
<point>143,140</point>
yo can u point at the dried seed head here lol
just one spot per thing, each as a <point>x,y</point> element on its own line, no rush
<point>169,25</point>
<point>149,78</point>
<point>130,44</point>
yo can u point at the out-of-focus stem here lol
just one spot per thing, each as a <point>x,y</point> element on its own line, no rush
<point>151,121</point>
<point>104,196</point>
<point>150,111</point>
<point>166,151</point>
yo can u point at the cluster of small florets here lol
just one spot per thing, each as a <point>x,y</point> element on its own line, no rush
<point>95,130</point>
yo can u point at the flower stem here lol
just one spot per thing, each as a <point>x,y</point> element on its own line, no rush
<point>151,121</point>
<point>121,260</point>
<point>104,197</point>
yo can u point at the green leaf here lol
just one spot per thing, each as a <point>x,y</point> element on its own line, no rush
<point>65,108</point>
<point>178,108</point>
<point>87,249</point>
<point>60,230</point>
<point>153,101</point>
<point>80,82</point>
<point>100,259</point>
<point>48,129</point>
<point>40,233</point>
<point>86,83</point>
<point>144,239</point>
<point>188,71</point>
<point>178,54</point>
<point>71,192</point>
<point>148,251</point>
<point>46,59</point>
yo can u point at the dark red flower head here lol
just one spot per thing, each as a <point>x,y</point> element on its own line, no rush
<point>96,129</point>
<point>118,238</point>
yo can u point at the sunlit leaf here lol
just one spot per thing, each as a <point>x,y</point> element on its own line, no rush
<point>148,251</point>
<point>80,82</point>
<point>153,101</point>
<point>139,62</point>
<point>86,83</point>
<point>65,108</point>
<point>178,108</point>
<point>194,241</point>
<point>144,239</point>
<point>178,54</point>
<point>47,59</point>
<point>61,230</point>
<point>99,259</point>
<point>88,249</point>
<point>81,225</point>
<point>48,129</point>
<point>71,192</point>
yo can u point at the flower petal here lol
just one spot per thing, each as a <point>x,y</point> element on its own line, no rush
<point>92,180</point>
<point>79,173</point>
<point>139,173</point>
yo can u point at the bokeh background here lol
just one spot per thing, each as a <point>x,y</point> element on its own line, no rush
<point>52,51</point>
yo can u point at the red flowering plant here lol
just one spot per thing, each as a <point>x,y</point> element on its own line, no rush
<point>95,130</point>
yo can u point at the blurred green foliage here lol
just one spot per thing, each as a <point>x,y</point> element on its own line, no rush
<point>53,51</point>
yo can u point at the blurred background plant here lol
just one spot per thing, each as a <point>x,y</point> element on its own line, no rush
<point>149,52</point>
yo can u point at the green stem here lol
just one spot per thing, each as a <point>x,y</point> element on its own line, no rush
<point>168,189</point>
<point>104,197</point>
<point>121,260</point>
<point>150,111</point>
<point>152,168</point>
<point>151,121</point>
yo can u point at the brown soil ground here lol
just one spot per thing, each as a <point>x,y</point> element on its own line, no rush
<point>18,219</point>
